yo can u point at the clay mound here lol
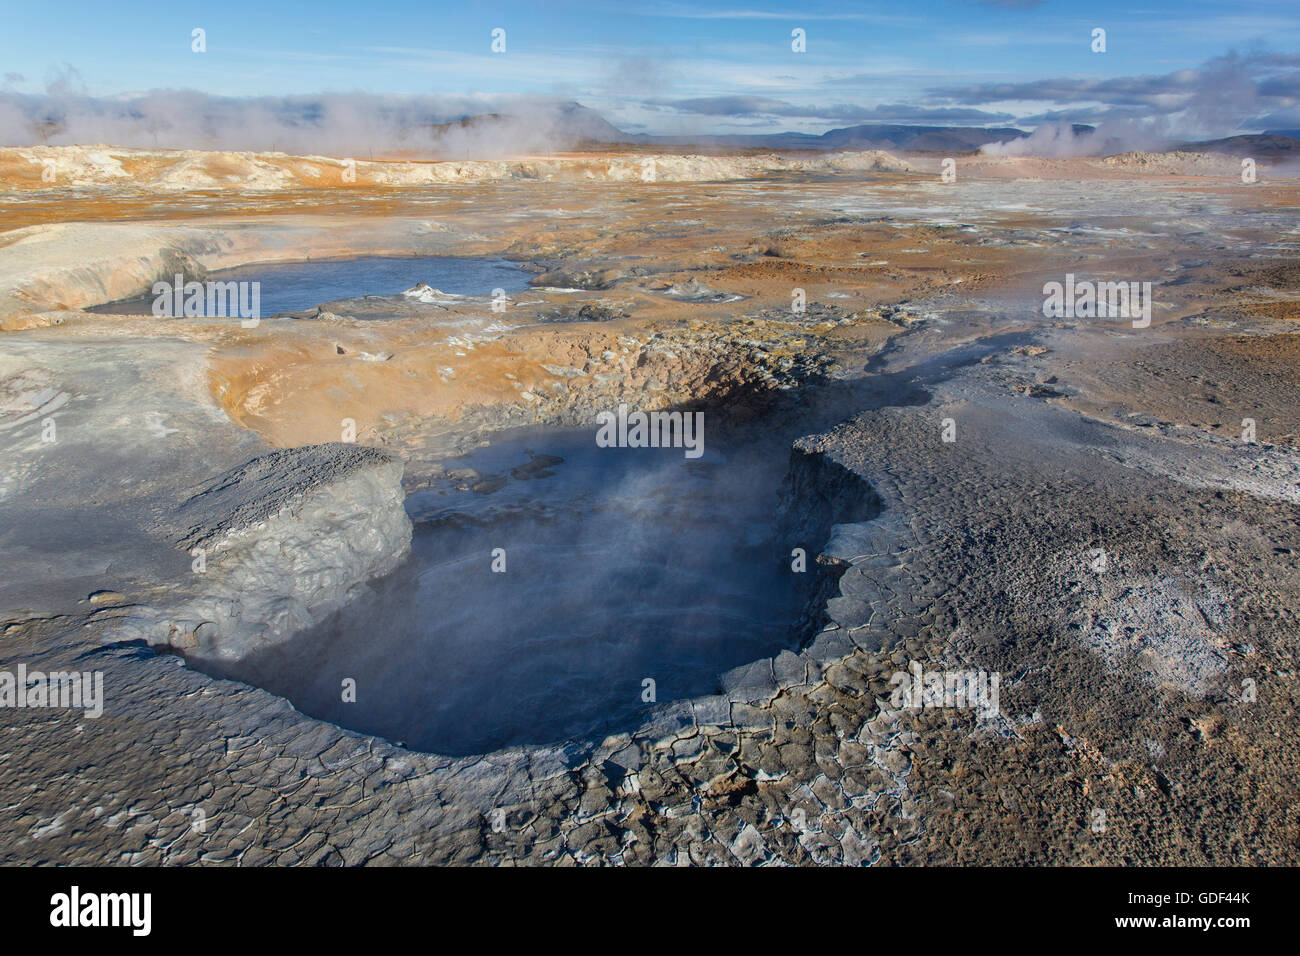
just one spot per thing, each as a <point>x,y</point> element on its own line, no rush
<point>1176,162</point>
<point>47,166</point>
<point>216,170</point>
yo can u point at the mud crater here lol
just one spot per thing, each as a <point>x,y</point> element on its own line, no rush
<point>549,580</point>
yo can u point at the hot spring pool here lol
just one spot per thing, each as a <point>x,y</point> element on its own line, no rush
<point>298,286</point>
<point>620,566</point>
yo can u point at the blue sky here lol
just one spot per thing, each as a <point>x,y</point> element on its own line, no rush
<point>670,67</point>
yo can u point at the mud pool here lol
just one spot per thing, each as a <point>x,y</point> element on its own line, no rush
<point>620,566</point>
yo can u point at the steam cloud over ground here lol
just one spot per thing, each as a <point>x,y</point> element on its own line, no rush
<point>330,124</point>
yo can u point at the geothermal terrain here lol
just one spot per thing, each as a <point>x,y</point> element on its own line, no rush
<point>363,588</point>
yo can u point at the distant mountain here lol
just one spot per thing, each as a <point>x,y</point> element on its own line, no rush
<point>954,138</point>
<point>573,126</point>
<point>873,136</point>
<point>544,127</point>
<point>1270,146</point>
<point>559,126</point>
<point>567,126</point>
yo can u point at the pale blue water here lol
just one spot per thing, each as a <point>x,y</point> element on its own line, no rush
<point>299,286</point>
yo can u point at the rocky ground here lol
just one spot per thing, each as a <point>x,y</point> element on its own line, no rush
<point>1074,505</point>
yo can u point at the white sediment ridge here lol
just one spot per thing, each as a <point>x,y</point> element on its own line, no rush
<point>184,169</point>
<point>277,545</point>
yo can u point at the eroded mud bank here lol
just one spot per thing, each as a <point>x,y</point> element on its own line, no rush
<point>276,545</point>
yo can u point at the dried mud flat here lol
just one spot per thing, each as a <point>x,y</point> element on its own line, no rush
<point>1148,702</point>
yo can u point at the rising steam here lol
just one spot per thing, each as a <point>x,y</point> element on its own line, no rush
<point>330,124</point>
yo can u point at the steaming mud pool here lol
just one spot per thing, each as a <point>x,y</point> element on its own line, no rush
<point>621,566</point>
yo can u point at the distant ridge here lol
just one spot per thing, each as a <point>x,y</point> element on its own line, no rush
<point>869,136</point>
<point>574,126</point>
<point>1271,146</point>
<point>572,123</point>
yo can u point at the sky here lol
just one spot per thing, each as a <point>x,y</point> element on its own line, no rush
<point>692,67</point>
